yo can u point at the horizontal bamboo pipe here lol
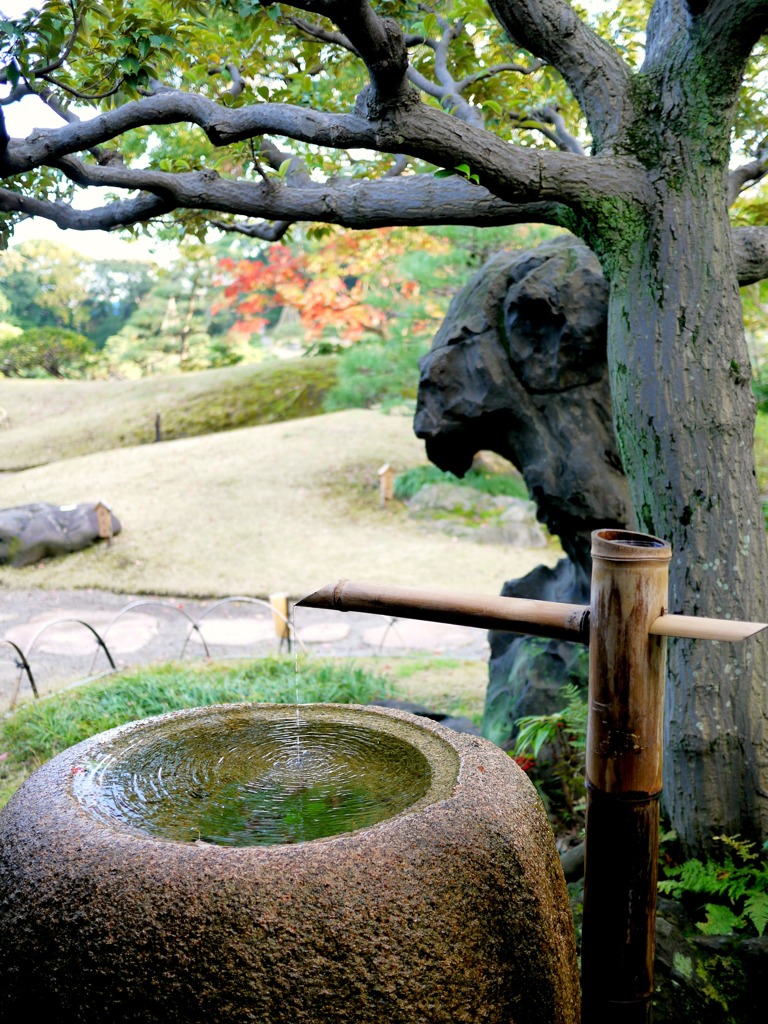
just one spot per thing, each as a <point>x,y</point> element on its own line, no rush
<point>511,614</point>
<point>516,615</point>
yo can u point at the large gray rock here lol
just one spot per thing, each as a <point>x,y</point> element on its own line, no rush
<point>519,367</point>
<point>453,911</point>
<point>474,515</point>
<point>31,532</point>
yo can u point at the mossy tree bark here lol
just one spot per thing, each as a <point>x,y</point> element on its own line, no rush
<point>684,415</point>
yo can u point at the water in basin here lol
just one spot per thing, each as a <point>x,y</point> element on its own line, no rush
<point>250,783</point>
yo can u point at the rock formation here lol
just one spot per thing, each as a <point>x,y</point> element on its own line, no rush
<point>519,367</point>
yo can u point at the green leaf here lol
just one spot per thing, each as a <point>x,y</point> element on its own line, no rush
<point>443,173</point>
<point>756,909</point>
<point>284,166</point>
<point>720,920</point>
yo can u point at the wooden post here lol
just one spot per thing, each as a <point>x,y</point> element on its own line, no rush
<point>386,484</point>
<point>279,603</point>
<point>624,757</point>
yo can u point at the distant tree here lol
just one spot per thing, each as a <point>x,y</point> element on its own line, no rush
<point>341,285</point>
<point>115,288</point>
<point>177,324</point>
<point>49,285</point>
<point>45,286</point>
<point>47,351</point>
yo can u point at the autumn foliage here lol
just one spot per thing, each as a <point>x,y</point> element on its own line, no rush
<point>350,286</point>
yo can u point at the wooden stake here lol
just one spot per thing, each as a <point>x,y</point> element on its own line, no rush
<point>386,484</point>
<point>279,603</point>
<point>624,758</point>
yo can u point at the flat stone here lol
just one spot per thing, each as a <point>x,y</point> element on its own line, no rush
<point>234,632</point>
<point>420,635</point>
<point>323,633</point>
<point>129,633</point>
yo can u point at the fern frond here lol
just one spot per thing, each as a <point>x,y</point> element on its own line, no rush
<point>720,920</point>
<point>756,909</point>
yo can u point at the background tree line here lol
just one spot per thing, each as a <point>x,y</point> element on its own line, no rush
<point>66,315</point>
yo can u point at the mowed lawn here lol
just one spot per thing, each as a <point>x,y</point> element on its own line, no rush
<point>288,506</point>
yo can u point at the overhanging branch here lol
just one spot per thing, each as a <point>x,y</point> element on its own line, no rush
<point>388,202</point>
<point>596,74</point>
<point>513,173</point>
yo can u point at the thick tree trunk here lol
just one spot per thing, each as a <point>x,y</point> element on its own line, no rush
<point>684,417</point>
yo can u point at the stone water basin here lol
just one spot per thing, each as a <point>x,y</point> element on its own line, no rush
<point>220,865</point>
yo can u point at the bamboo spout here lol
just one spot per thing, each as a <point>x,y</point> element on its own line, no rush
<point>515,615</point>
<point>510,614</point>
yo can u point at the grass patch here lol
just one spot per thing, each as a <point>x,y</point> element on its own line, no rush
<point>453,686</point>
<point>39,730</point>
<point>509,485</point>
<point>256,511</point>
<point>54,419</point>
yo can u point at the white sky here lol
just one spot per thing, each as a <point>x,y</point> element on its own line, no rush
<point>30,113</point>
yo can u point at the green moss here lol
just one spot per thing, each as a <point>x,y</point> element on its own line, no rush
<point>268,394</point>
<point>614,228</point>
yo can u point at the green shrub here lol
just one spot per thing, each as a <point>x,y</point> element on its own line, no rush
<point>412,480</point>
<point>376,373</point>
<point>562,737</point>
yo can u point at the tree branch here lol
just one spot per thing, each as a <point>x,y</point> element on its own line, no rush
<point>746,175</point>
<point>120,214</point>
<point>415,200</point>
<point>561,137</point>
<point>719,34</point>
<point>56,64</point>
<point>264,232</point>
<point>513,173</point>
<point>750,249</point>
<point>735,27</point>
<point>596,74</point>
<point>323,35</point>
<point>380,43</point>
<point>497,69</point>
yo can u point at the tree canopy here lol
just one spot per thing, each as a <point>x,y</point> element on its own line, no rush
<point>639,128</point>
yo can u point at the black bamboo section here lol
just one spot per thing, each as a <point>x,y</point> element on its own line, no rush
<point>618,946</point>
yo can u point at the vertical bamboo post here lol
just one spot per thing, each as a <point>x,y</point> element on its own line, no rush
<point>630,574</point>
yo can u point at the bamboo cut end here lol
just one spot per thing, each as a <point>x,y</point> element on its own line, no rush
<point>325,597</point>
<point>627,546</point>
<point>695,628</point>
